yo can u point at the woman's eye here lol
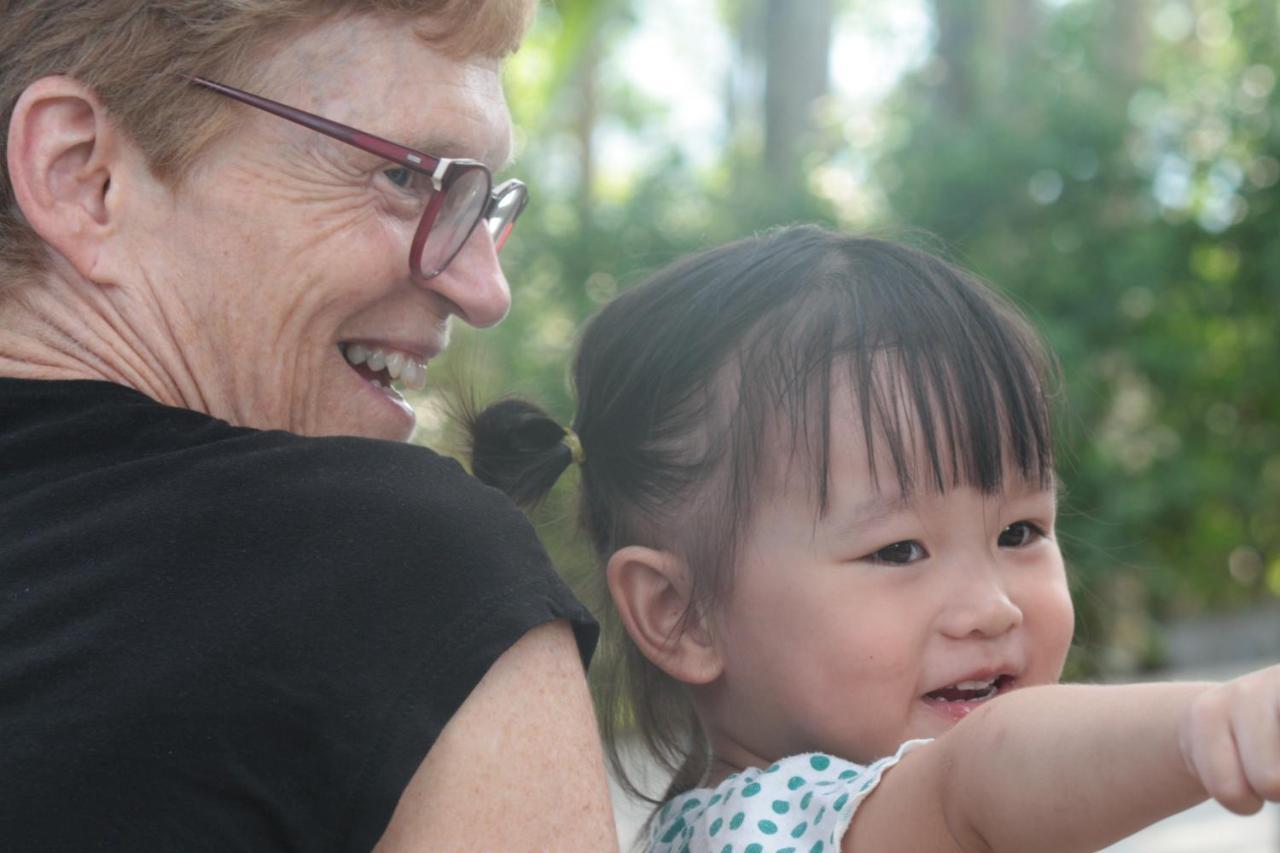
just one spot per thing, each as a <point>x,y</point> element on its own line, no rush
<point>899,553</point>
<point>400,176</point>
<point>1019,534</point>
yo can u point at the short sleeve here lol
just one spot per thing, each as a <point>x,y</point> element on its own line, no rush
<point>406,578</point>
<point>801,804</point>
<point>233,639</point>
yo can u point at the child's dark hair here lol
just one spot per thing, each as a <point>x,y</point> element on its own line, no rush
<point>681,379</point>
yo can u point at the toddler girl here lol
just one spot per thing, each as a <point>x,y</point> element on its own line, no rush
<point>818,473</point>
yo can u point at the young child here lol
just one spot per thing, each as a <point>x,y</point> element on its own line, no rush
<point>818,473</point>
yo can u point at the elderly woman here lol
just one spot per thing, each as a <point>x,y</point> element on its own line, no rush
<point>237,611</point>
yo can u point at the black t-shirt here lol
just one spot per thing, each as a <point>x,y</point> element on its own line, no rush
<point>216,638</point>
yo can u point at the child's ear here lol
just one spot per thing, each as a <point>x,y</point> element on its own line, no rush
<point>652,591</point>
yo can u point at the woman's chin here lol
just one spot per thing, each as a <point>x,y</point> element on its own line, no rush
<point>366,409</point>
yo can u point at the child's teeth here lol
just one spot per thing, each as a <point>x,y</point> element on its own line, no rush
<point>377,360</point>
<point>973,685</point>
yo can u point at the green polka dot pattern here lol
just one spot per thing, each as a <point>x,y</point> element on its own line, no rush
<point>805,801</point>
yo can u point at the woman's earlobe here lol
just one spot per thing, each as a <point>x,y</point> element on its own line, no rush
<point>652,591</point>
<point>60,154</point>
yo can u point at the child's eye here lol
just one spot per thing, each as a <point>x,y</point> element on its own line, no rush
<point>1019,535</point>
<point>899,553</point>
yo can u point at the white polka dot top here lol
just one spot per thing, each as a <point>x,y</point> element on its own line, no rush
<point>802,804</point>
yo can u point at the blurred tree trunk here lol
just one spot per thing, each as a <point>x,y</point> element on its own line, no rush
<point>1015,26</point>
<point>960,27</point>
<point>982,45</point>
<point>1126,49</point>
<point>588,115</point>
<point>797,47</point>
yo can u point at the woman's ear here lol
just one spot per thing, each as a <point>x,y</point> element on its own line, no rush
<point>62,149</point>
<point>652,590</point>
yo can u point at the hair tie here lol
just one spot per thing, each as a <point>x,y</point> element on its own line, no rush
<point>574,444</point>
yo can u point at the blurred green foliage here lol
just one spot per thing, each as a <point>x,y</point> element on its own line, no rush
<point>1112,166</point>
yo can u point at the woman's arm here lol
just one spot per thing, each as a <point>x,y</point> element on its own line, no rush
<point>1074,767</point>
<point>519,767</point>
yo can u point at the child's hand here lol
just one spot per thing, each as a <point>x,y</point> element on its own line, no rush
<point>1230,738</point>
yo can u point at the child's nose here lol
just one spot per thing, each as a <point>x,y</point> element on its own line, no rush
<point>979,605</point>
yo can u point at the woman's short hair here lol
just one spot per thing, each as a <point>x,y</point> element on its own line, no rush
<point>133,55</point>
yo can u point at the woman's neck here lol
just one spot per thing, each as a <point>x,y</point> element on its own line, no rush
<point>58,329</point>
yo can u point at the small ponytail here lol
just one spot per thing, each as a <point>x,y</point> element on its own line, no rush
<point>518,448</point>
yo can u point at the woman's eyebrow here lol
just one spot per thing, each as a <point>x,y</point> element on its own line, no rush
<point>452,148</point>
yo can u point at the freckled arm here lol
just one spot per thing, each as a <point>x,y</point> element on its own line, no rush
<point>519,767</point>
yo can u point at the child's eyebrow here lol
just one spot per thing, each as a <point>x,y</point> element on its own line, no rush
<point>884,505</point>
<point>1026,487</point>
<point>875,508</point>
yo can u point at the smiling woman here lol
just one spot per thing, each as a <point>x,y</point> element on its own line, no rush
<point>240,612</point>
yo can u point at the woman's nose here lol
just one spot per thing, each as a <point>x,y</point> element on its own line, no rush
<point>979,604</point>
<point>474,283</point>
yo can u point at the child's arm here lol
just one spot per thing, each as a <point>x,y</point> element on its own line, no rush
<point>1074,768</point>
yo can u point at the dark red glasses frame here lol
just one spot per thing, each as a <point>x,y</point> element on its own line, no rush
<point>443,172</point>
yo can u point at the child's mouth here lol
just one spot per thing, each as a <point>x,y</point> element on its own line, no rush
<point>958,700</point>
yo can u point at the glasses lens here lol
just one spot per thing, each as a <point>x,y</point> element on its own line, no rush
<point>508,200</point>
<point>460,210</point>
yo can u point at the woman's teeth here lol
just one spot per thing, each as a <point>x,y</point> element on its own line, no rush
<point>397,365</point>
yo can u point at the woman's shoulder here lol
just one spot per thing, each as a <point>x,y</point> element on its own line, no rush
<point>801,803</point>
<point>101,435</point>
<point>367,478</point>
<point>342,460</point>
<point>402,515</point>
<point>336,525</point>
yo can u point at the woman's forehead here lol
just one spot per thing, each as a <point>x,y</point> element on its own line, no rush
<point>380,76</point>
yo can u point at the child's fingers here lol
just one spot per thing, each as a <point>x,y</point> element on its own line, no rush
<point>1256,721</point>
<point>1211,750</point>
<point>1259,747</point>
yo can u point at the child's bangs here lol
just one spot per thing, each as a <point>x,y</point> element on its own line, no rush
<point>946,379</point>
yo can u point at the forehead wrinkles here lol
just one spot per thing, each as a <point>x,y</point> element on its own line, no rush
<point>381,76</point>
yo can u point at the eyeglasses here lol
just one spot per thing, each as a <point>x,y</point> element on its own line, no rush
<point>463,191</point>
